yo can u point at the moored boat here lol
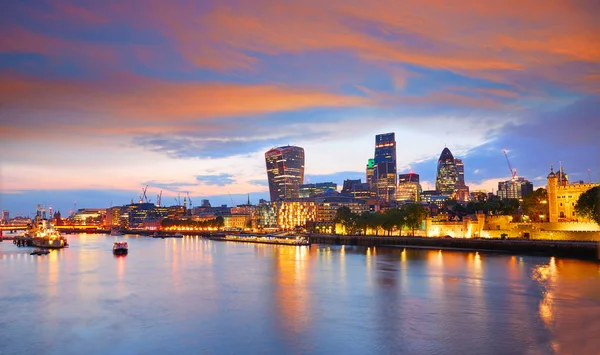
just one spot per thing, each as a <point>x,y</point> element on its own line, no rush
<point>296,241</point>
<point>120,248</point>
<point>41,233</point>
<point>163,234</point>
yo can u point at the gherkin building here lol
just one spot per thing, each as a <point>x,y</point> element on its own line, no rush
<point>447,175</point>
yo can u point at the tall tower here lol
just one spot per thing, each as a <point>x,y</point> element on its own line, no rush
<point>460,172</point>
<point>370,172</point>
<point>384,172</point>
<point>447,175</point>
<point>285,172</point>
<point>552,200</point>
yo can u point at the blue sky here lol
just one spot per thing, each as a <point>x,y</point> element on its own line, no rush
<point>98,100</point>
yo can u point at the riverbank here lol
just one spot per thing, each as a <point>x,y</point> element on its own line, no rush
<point>563,249</point>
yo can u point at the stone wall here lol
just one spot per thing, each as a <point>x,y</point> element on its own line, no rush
<point>544,235</point>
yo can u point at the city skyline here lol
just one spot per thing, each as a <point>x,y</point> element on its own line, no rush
<point>97,100</point>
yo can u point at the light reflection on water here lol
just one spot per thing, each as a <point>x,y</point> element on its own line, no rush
<point>192,295</point>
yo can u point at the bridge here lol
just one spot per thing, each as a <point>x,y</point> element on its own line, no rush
<point>19,227</point>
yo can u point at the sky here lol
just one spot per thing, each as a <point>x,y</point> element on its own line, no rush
<point>100,98</point>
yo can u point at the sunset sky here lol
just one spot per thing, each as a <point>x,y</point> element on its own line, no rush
<point>100,98</point>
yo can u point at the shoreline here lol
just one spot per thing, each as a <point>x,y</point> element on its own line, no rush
<point>564,249</point>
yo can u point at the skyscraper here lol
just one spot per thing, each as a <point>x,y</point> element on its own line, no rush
<point>370,172</point>
<point>409,188</point>
<point>285,172</point>
<point>460,172</point>
<point>461,190</point>
<point>384,173</point>
<point>516,188</point>
<point>447,175</point>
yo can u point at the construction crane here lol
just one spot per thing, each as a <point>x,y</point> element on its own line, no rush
<point>143,197</point>
<point>513,173</point>
<point>158,198</point>
<point>231,198</point>
<point>189,199</point>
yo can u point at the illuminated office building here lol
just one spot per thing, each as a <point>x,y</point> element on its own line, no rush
<point>447,175</point>
<point>409,188</point>
<point>514,189</point>
<point>310,190</point>
<point>384,173</point>
<point>285,172</point>
<point>370,172</point>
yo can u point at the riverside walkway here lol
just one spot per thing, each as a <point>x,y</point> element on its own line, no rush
<point>567,249</point>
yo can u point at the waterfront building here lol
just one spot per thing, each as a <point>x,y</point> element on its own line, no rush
<point>514,189</point>
<point>409,188</point>
<point>237,221</point>
<point>285,172</point>
<point>370,171</point>
<point>327,206</point>
<point>293,214</point>
<point>90,216</point>
<point>310,190</point>
<point>5,216</point>
<point>562,197</point>
<point>447,175</point>
<point>265,215</point>
<point>384,173</point>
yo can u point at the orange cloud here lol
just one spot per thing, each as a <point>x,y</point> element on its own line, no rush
<point>135,102</point>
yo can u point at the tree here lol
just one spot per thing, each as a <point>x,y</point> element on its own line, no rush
<point>536,204</point>
<point>363,221</point>
<point>392,218</point>
<point>347,218</point>
<point>219,222</point>
<point>415,214</point>
<point>588,204</point>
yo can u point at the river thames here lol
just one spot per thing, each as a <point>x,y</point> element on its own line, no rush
<point>195,296</point>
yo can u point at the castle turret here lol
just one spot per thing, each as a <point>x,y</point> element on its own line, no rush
<point>552,200</point>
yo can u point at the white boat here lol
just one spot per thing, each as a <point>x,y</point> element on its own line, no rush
<point>120,248</point>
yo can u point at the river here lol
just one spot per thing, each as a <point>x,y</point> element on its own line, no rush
<point>192,296</point>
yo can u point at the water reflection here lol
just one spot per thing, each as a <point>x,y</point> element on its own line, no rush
<point>197,296</point>
<point>291,293</point>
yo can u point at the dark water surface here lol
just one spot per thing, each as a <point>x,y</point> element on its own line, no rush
<point>194,296</point>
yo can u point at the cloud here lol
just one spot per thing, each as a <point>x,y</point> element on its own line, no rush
<point>222,179</point>
<point>259,182</point>
<point>173,186</point>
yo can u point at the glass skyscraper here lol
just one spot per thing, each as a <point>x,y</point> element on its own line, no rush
<point>285,172</point>
<point>447,174</point>
<point>384,172</point>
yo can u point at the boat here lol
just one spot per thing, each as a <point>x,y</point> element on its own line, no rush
<point>266,239</point>
<point>120,248</point>
<point>40,251</point>
<point>163,235</point>
<point>41,233</point>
